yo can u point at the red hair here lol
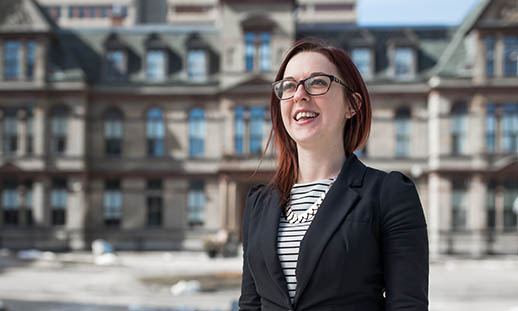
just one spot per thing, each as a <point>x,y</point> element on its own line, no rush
<point>356,130</point>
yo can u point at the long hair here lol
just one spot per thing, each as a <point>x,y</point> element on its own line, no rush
<point>356,129</point>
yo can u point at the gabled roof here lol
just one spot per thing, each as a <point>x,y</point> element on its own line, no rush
<point>453,61</point>
<point>22,16</point>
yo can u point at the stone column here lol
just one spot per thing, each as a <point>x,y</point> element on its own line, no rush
<point>228,128</point>
<point>133,203</point>
<point>22,133</point>
<point>22,60</point>
<point>477,217</point>
<point>499,56</point>
<point>434,129</point>
<point>2,120</point>
<point>223,201</point>
<point>477,130</point>
<point>40,60</point>
<point>479,66</point>
<point>232,206</point>
<point>499,208</point>
<point>75,214</point>
<point>39,130</point>
<point>41,212</point>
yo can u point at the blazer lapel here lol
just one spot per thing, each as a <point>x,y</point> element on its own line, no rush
<point>334,208</point>
<point>270,222</point>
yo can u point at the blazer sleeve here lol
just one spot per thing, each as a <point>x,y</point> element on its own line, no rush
<point>249,298</point>
<point>404,245</point>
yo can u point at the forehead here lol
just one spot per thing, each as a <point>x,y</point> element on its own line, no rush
<point>304,64</point>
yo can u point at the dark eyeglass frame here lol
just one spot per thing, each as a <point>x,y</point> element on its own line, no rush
<point>303,82</point>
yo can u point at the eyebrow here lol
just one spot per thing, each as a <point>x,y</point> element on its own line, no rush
<point>311,75</point>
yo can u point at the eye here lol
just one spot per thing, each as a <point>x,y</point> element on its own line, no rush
<point>288,85</point>
<point>318,82</point>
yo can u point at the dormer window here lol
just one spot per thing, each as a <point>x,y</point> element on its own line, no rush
<point>404,63</point>
<point>156,58</point>
<point>116,58</point>
<point>363,60</point>
<point>116,64</point>
<point>155,65</point>
<point>198,53</point>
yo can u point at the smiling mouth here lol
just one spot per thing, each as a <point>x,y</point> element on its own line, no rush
<point>304,115</point>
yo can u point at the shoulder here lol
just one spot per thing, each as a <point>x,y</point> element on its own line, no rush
<point>253,194</point>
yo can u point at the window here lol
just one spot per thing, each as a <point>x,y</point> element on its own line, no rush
<point>197,64</point>
<point>155,62</point>
<point>490,206</point>
<point>155,132</point>
<point>510,197</point>
<point>82,12</point>
<point>404,63</point>
<point>113,132</point>
<point>10,204</point>
<point>264,52</point>
<point>256,129</point>
<point>11,60</point>
<point>29,123</point>
<point>490,56</point>
<point>104,11</point>
<point>30,59</point>
<point>362,59</point>
<point>53,11</point>
<point>28,204</point>
<point>490,128</point>
<point>59,129</point>
<point>10,131</point>
<point>58,201</point>
<point>196,132</point>
<point>459,127</point>
<point>403,132</point>
<point>116,67</point>
<point>510,128</point>
<point>112,203</point>
<point>257,45</point>
<point>239,130</point>
<point>511,56</point>
<point>154,202</point>
<point>249,51</point>
<point>196,204</point>
<point>459,203</point>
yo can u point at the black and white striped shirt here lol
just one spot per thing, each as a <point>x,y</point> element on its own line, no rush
<point>290,233</point>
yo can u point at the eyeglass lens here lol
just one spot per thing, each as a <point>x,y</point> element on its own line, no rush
<point>316,85</point>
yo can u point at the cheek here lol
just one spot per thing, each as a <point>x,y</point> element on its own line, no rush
<point>285,115</point>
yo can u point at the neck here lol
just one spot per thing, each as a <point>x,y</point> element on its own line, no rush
<point>320,163</point>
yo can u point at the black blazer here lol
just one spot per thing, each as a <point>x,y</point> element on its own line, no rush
<point>366,249</point>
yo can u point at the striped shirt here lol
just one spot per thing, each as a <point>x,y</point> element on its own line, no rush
<point>290,233</point>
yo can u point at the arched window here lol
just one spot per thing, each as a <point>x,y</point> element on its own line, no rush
<point>459,127</point>
<point>155,132</point>
<point>113,131</point>
<point>196,132</point>
<point>59,129</point>
<point>403,132</point>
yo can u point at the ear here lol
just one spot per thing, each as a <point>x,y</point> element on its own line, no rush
<point>350,112</point>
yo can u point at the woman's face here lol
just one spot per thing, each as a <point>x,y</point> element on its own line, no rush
<point>325,115</point>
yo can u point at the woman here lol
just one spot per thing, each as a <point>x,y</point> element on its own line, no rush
<point>329,233</point>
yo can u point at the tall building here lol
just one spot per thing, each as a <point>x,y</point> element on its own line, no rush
<point>142,122</point>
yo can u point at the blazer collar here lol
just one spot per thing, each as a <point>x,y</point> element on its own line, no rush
<point>334,208</point>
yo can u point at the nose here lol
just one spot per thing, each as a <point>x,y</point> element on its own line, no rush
<point>300,93</point>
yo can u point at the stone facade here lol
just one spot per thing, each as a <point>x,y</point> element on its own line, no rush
<point>148,134</point>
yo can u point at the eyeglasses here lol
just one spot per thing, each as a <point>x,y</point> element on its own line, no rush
<point>315,85</point>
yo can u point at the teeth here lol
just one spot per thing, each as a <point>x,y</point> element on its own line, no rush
<point>305,114</point>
